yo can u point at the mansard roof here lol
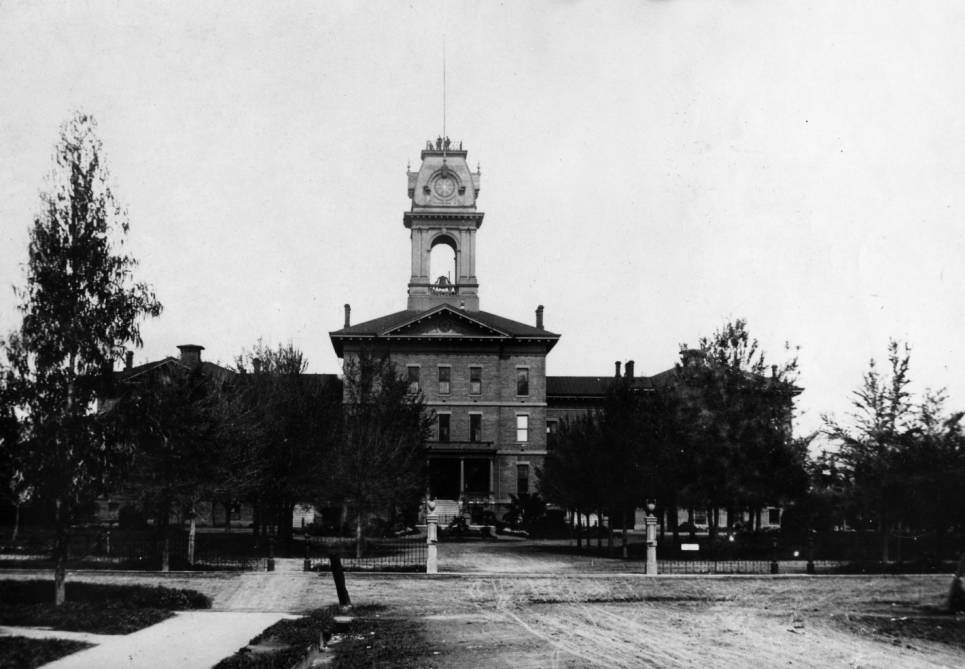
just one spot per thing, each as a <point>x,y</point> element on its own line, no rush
<point>403,324</point>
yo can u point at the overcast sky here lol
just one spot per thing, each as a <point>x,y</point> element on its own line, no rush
<point>650,169</point>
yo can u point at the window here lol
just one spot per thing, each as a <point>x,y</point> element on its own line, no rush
<point>522,427</point>
<point>475,380</point>
<point>552,427</point>
<point>773,516</point>
<point>445,374</point>
<point>522,479</point>
<point>700,517</point>
<point>475,427</point>
<point>412,373</point>
<point>522,380</point>
<point>443,427</point>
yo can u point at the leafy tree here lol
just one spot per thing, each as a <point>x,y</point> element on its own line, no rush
<point>734,419</point>
<point>571,473</point>
<point>176,420</point>
<point>379,463</point>
<point>81,307</point>
<point>293,425</point>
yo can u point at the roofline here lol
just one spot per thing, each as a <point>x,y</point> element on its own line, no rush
<point>437,309</point>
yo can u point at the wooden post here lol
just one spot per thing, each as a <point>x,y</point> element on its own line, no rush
<point>774,556</point>
<point>338,574</point>
<point>810,564</point>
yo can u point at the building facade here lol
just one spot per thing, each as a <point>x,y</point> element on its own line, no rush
<point>482,375</point>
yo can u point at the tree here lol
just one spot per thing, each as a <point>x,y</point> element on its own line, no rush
<point>872,448</point>
<point>81,307</point>
<point>176,421</point>
<point>570,471</point>
<point>293,426</point>
<point>379,463</point>
<point>735,424</point>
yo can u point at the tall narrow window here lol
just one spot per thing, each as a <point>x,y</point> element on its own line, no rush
<point>412,373</point>
<point>522,380</point>
<point>475,380</point>
<point>522,427</point>
<point>445,374</point>
<point>443,419</point>
<point>522,479</point>
<point>475,427</point>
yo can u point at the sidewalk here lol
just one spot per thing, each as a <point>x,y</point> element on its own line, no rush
<point>189,640</point>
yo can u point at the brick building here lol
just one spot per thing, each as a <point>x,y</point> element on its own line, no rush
<point>483,375</point>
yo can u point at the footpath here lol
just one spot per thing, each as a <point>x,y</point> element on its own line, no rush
<point>242,606</point>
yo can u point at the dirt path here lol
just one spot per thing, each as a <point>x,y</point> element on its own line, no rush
<point>597,619</point>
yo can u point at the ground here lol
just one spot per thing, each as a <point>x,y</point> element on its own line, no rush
<point>532,610</point>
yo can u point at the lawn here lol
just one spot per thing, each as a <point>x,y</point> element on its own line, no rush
<point>98,608</point>
<point>17,652</point>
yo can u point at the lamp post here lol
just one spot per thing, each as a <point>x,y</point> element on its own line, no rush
<point>651,521</point>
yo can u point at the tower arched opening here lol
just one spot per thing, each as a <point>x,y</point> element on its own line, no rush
<point>442,265</point>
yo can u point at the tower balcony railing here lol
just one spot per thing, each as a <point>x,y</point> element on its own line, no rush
<point>443,289</point>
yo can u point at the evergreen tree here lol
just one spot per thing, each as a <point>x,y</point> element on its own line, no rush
<point>81,308</point>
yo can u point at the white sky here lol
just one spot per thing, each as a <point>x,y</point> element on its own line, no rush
<point>650,169</point>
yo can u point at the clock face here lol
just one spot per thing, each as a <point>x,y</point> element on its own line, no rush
<point>444,187</point>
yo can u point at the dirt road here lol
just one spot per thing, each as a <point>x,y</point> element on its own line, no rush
<point>555,614</point>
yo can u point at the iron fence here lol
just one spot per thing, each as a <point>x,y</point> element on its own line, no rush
<point>132,549</point>
<point>401,554</point>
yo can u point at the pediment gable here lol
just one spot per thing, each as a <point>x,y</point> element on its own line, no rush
<point>444,322</point>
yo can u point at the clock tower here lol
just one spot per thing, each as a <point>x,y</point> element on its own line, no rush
<point>443,193</point>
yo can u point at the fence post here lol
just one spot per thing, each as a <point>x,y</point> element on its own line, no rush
<point>774,555</point>
<point>432,524</point>
<point>651,521</point>
<point>271,554</point>
<point>810,565</point>
<point>307,565</point>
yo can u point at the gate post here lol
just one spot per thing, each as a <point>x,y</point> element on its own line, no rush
<point>651,521</point>
<point>432,524</point>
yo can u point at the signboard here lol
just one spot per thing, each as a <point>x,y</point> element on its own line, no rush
<point>690,547</point>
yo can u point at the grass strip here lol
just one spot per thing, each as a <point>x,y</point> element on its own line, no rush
<point>284,643</point>
<point>385,643</point>
<point>97,608</point>
<point>18,652</point>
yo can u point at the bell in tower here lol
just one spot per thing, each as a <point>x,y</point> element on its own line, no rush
<point>443,214</point>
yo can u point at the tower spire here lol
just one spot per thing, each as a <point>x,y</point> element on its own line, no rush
<point>444,86</point>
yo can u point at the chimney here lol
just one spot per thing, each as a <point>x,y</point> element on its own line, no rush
<point>617,366</point>
<point>773,371</point>
<point>190,355</point>
<point>128,360</point>
<point>629,368</point>
<point>539,317</point>
<point>256,363</point>
<point>348,315</point>
<point>690,357</point>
